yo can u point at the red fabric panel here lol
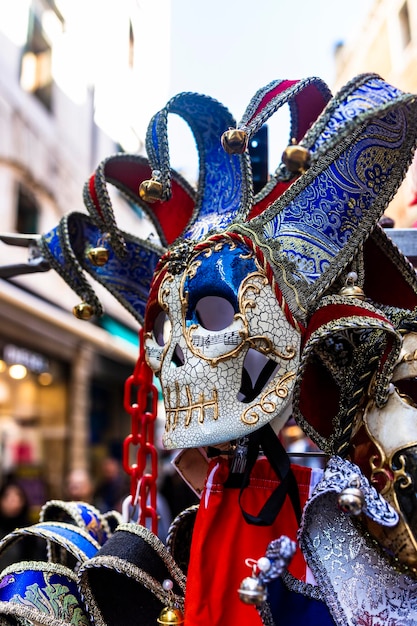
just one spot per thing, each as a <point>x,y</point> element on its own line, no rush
<point>317,383</point>
<point>310,103</point>
<point>286,84</point>
<point>263,204</point>
<point>93,194</point>
<point>222,540</point>
<point>319,398</point>
<point>330,312</point>
<point>173,215</point>
<point>384,282</point>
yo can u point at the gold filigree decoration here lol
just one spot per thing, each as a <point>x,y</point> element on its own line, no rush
<point>256,341</point>
<point>164,291</point>
<point>229,336</point>
<point>385,468</point>
<point>378,465</point>
<point>238,338</point>
<point>249,284</point>
<point>267,403</point>
<point>191,270</point>
<point>410,356</point>
<point>402,477</point>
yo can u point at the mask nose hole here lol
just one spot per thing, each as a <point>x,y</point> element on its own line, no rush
<point>177,359</point>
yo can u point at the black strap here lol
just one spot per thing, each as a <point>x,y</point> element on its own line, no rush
<point>266,440</point>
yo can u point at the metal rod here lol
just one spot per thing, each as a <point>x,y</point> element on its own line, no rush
<point>315,454</point>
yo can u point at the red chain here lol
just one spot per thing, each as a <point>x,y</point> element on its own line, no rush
<point>141,401</point>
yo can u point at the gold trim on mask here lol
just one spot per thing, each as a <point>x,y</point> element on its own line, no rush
<point>199,406</point>
<point>399,540</point>
<point>258,342</point>
<point>266,403</point>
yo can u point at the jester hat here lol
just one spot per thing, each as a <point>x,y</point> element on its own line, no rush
<point>314,222</point>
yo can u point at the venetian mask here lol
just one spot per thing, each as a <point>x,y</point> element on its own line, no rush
<point>224,351</point>
<point>235,278</point>
<point>386,449</point>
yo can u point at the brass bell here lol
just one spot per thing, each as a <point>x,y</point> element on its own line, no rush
<point>150,190</point>
<point>234,141</point>
<point>98,256</point>
<point>83,311</point>
<point>351,501</point>
<point>351,289</point>
<point>170,615</point>
<point>296,159</point>
<point>251,591</point>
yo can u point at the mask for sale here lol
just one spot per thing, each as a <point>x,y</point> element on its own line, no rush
<point>386,449</point>
<point>225,321</point>
<point>225,353</point>
<point>231,281</point>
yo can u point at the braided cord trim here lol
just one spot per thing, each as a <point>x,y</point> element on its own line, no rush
<point>63,260</point>
<point>354,381</point>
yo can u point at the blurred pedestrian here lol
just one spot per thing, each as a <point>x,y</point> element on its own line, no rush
<point>79,486</point>
<point>14,513</point>
<point>14,507</point>
<point>113,486</point>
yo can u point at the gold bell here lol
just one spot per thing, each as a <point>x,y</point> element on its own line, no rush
<point>251,591</point>
<point>234,141</point>
<point>351,289</point>
<point>98,256</point>
<point>170,615</point>
<point>296,158</point>
<point>151,190</point>
<point>351,501</point>
<point>83,311</point>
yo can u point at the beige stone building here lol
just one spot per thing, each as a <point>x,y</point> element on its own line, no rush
<point>386,43</point>
<point>70,79</point>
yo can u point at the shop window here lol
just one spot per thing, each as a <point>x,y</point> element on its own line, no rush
<point>405,28</point>
<point>36,66</point>
<point>34,408</point>
<point>27,213</point>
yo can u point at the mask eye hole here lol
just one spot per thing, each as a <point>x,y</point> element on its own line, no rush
<point>256,373</point>
<point>214,312</point>
<point>162,328</point>
<point>407,388</point>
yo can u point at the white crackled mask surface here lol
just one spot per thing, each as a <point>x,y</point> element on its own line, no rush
<point>222,346</point>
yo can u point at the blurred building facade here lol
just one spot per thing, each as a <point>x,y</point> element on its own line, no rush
<point>61,113</point>
<point>386,43</point>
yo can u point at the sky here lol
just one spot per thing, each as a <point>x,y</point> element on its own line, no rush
<point>228,49</point>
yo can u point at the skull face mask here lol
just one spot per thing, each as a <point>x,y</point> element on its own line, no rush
<point>223,348</point>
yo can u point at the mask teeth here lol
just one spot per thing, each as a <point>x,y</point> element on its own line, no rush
<point>194,409</point>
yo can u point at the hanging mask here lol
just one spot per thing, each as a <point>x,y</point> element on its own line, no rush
<point>226,355</point>
<point>386,448</point>
<point>228,290</point>
<point>208,291</point>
